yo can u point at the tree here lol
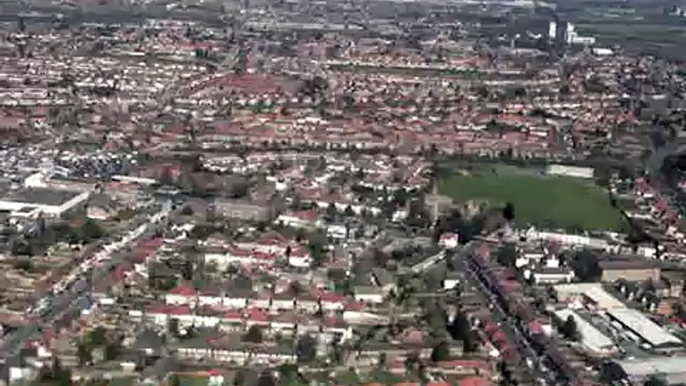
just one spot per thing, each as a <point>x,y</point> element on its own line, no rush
<point>441,352</point>
<point>239,379</point>
<point>187,210</point>
<point>173,327</point>
<point>306,349</point>
<point>460,327</point>
<point>436,319</point>
<point>112,350</point>
<point>411,361</point>
<point>680,311</point>
<point>655,380</point>
<point>586,266</point>
<point>383,358</point>
<point>509,211</point>
<point>469,343</point>
<point>84,354</point>
<point>58,375</point>
<point>331,210</point>
<point>266,378</point>
<point>20,247</point>
<point>90,230</point>
<point>23,265</point>
<point>507,255</point>
<point>166,176</point>
<point>289,374</point>
<point>316,248</point>
<point>254,335</point>
<point>570,329</point>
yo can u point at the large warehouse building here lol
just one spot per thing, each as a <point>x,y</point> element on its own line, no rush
<point>52,203</point>
<point>645,329</point>
<point>638,370</point>
<point>593,340</point>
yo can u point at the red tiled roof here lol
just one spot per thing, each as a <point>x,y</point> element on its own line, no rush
<point>438,384</point>
<point>169,310</point>
<point>330,297</point>
<point>184,290</point>
<point>474,381</point>
<point>262,256</point>
<point>256,315</point>
<point>271,238</point>
<point>535,327</point>
<point>306,215</point>
<point>464,364</point>
<point>233,315</point>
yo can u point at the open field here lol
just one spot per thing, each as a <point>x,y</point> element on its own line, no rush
<point>562,202</point>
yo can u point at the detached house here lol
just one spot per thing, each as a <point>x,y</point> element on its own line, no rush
<point>230,349</point>
<point>100,207</point>
<point>233,255</point>
<point>300,219</point>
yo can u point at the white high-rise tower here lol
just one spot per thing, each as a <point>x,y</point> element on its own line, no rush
<point>552,30</point>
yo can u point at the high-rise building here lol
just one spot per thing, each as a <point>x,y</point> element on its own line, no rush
<point>552,30</point>
<point>570,33</point>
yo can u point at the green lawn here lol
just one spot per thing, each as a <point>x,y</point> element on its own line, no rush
<point>545,201</point>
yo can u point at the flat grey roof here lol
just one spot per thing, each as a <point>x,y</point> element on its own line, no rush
<point>643,367</point>
<point>644,327</point>
<point>590,335</point>
<point>40,196</point>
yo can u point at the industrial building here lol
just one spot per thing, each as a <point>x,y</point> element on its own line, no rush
<point>591,338</point>
<point>638,370</point>
<point>591,294</point>
<point>637,323</point>
<point>637,270</point>
<point>51,202</point>
<point>569,171</point>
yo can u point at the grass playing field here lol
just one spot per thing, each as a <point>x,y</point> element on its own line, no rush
<point>562,202</point>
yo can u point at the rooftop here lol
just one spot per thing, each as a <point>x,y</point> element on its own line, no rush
<point>644,327</point>
<point>40,196</point>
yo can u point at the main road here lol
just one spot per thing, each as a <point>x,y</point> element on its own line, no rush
<point>50,308</point>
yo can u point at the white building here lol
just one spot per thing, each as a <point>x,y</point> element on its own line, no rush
<point>304,219</point>
<point>552,275</point>
<point>449,240</point>
<point>53,203</point>
<point>591,338</point>
<point>591,294</point>
<point>552,30</point>
<point>646,329</point>
<point>569,171</point>
<point>533,234</point>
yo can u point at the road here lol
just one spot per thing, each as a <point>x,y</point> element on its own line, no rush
<point>522,343</point>
<point>65,304</point>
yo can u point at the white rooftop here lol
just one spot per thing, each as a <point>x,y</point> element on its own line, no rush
<point>644,327</point>
<point>644,367</point>
<point>591,337</point>
<point>593,291</point>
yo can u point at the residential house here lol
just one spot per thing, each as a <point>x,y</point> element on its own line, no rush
<point>300,219</point>
<point>233,255</point>
<point>101,207</point>
<point>448,240</point>
<point>629,269</point>
<point>241,210</point>
<point>552,275</point>
<point>383,279</point>
<point>149,342</point>
<point>369,294</point>
<point>452,280</point>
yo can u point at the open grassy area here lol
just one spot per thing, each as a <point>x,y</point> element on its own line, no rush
<point>545,201</point>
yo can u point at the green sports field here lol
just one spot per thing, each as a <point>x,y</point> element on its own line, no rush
<point>562,202</point>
